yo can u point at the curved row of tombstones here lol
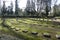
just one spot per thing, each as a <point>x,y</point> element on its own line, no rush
<point>47,35</point>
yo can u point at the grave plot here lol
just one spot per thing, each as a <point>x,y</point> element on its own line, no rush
<point>17,29</point>
<point>46,35</point>
<point>25,31</point>
<point>34,33</point>
<point>34,29</point>
<point>58,36</point>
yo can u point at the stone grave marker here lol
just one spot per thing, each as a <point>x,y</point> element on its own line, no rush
<point>17,29</point>
<point>58,36</point>
<point>25,31</point>
<point>34,33</point>
<point>47,35</point>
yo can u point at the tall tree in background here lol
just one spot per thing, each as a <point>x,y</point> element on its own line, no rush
<point>48,7</point>
<point>47,10</point>
<point>3,9</point>
<point>30,8</point>
<point>0,7</point>
<point>16,7</point>
<point>11,8</point>
<point>55,1</point>
<point>3,12</point>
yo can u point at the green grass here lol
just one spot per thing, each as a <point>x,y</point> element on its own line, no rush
<point>32,25</point>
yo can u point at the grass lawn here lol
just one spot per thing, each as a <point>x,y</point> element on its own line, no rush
<point>32,25</point>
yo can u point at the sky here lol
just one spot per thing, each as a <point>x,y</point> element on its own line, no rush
<point>22,3</point>
<point>53,1</point>
<point>58,2</point>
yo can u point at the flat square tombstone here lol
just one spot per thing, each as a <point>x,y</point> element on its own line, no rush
<point>34,33</point>
<point>46,35</point>
<point>25,31</point>
<point>12,28</point>
<point>17,29</point>
<point>58,36</point>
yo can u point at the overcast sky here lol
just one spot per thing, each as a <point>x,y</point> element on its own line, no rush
<point>22,3</point>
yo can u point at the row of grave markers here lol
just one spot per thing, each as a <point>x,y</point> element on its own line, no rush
<point>46,35</point>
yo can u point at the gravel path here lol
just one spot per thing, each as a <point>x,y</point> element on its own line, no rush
<point>8,37</point>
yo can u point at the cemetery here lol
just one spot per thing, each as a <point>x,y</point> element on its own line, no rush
<point>31,29</point>
<point>38,20</point>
